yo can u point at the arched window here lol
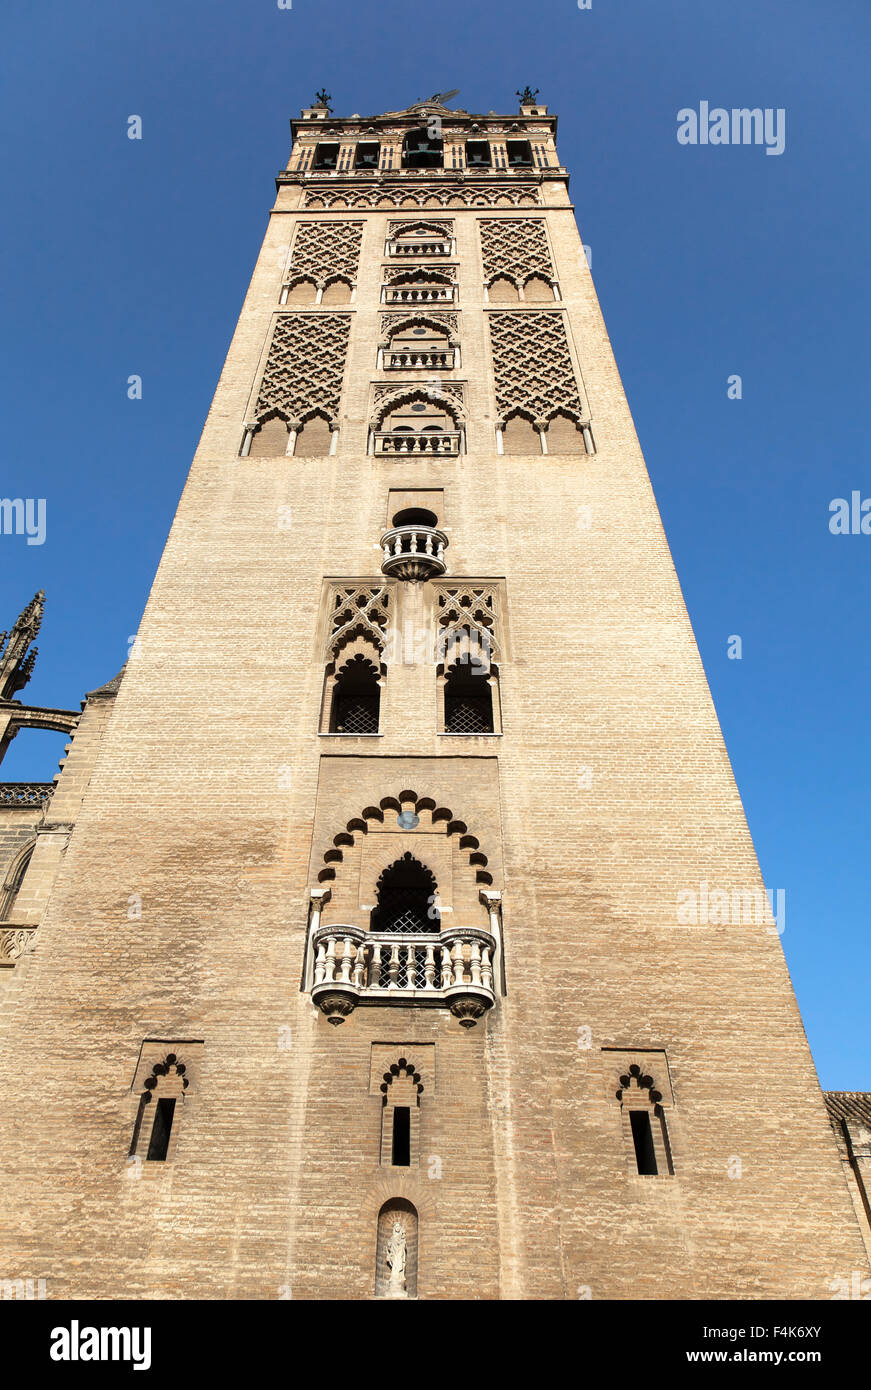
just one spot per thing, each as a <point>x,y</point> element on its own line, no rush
<point>270,441</point>
<point>536,287</point>
<point>162,1097</point>
<point>337,291</point>
<point>314,439</point>
<point>645,1131</point>
<point>520,436</point>
<point>418,415</point>
<point>13,881</point>
<point>401,1090</point>
<point>356,698</point>
<point>421,345</point>
<point>503,289</point>
<point>420,150</point>
<point>468,700</point>
<point>303,291</point>
<point>564,436</point>
<point>407,898</point>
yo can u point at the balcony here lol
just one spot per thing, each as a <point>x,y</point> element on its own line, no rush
<point>414,552</point>
<point>409,442</point>
<point>415,359</point>
<point>450,969</point>
<point>422,246</point>
<point>419,294</point>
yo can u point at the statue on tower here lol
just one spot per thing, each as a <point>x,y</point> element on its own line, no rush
<point>397,1256</point>
<point>527,96</point>
<point>17,655</point>
<point>323,98</point>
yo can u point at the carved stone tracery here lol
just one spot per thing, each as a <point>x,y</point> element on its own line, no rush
<point>468,616</point>
<point>358,611</point>
<point>532,366</point>
<point>324,250</point>
<point>423,196</point>
<point>305,368</point>
<point>421,318</point>
<point>516,248</point>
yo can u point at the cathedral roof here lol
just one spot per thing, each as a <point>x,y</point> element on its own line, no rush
<point>849,1105</point>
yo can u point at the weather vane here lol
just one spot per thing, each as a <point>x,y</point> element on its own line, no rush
<point>439,98</point>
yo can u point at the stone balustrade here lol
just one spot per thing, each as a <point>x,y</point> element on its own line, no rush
<point>408,442</point>
<point>419,294</point>
<point>411,359</point>
<point>423,246</point>
<point>453,969</point>
<point>414,552</point>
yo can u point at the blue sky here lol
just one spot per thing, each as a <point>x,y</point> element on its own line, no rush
<point>708,261</point>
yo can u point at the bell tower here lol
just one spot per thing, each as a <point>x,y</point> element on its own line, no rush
<point>410,941</point>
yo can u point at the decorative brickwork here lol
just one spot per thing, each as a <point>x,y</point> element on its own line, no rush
<point>326,249</point>
<point>305,367</point>
<point>532,365</point>
<point>516,248</point>
<point>392,323</point>
<point>422,196</point>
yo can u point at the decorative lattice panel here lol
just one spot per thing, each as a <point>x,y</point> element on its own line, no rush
<point>322,249</point>
<point>424,196</point>
<point>462,611</point>
<point>532,366</point>
<point>359,607</point>
<point>305,366</point>
<point>445,229</point>
<point>433,274</point>
<point>516,247</point>
<point>395,395</point>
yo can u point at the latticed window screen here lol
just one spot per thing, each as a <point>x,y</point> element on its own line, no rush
<point>356,714</point>
<point>468,704</point>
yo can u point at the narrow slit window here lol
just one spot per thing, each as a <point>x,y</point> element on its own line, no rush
<point>642,1137</point>
<point>161,1130</point>
<point>401,1136</point>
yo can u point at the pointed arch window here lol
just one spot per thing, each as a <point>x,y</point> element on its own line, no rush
<point>643,1102</point>
<point>356,699</point>
<point>407,898</point>
<point>468,696</point>
<point>163,1079</point>
<point>13,881</point>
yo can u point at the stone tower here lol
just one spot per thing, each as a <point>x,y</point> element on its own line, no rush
<point>410,941</point>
